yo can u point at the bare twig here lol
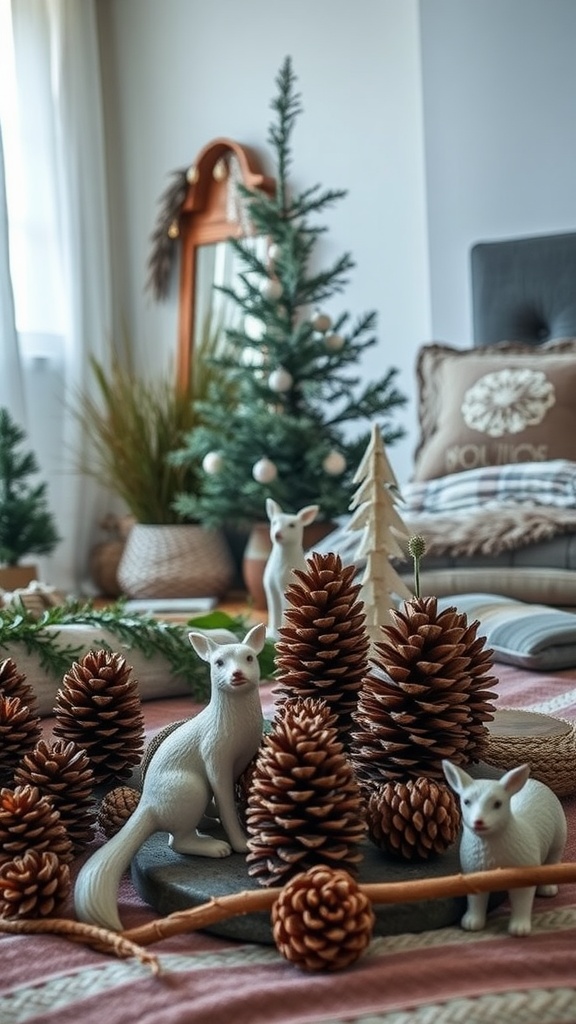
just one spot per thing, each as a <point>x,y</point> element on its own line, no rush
<point>248,902</point>
<point>100,939</point>
<point>130,942</point>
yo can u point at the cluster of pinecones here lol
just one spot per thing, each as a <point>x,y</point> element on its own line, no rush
<point>47,799</point>
<point>355,749</point>
<point>356,746</point>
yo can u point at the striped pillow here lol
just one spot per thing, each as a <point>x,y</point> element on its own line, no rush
<point>532,636</point>
<point>541,483</point>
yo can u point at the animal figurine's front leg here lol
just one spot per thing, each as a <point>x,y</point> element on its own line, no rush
<point>474,919</point>
<point>228,814</point>
<point>521,901</point>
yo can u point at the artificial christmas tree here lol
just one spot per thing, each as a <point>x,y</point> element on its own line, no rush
<point>26,524</point>
<point>287,436</point>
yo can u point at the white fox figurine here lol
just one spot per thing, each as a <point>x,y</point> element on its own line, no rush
<point>286,533</point>
<point>507,822</point>
<point>198,761</point>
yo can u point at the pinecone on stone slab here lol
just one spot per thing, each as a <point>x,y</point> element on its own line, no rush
<point>34,885</point>
<point>98,707</point>
<point>413,820</point>
<point>426,696</point>
<point>323,646</point>
<point>116,807</point>
<point>63,772</point>
<point>304,805</point>
<point>29,821</point>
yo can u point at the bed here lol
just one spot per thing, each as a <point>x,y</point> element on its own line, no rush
<point>494,482</point>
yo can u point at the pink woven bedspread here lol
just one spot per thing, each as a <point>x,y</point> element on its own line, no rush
<point>440,976</point>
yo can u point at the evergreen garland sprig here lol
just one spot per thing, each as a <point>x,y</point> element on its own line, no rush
<point>141,632</point>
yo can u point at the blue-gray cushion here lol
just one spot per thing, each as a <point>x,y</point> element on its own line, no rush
<point>533,636</point>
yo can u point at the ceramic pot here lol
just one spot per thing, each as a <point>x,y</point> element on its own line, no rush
<point>258,548</point>
<point>182,560</point>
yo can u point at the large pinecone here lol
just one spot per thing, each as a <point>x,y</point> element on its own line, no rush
<point>323,645</point>
<point>425,697</point>
<point>13,684</point>
<point>415,819</point>
<point>98,708</point>
<point>34,885</point>
<point>28,821</point>
<point>19,731</point>
<point>304,806</point>
<point>62,771</point>
<point>322,921</point>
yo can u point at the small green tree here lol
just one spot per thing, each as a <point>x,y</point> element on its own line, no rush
<point>288,436</point>
<point>26,524</point>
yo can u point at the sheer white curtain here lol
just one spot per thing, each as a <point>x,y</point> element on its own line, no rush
<point>59,247</point>
<point>11,382</point>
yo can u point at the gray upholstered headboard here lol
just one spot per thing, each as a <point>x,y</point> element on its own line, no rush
<point>524,289</point>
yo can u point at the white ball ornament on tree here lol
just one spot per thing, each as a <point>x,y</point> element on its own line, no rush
<point>271,289</point>
<point>254,328</point>
<point>264,471</point>
<point>321,322</point>
<point>334,464</point>
<point>273,251</point>
<point>212,463</point>
<point>280,380</point>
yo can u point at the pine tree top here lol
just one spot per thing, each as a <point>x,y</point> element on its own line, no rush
<point>289,433</point>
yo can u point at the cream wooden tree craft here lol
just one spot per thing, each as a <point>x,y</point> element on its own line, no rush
<point>376,515</point>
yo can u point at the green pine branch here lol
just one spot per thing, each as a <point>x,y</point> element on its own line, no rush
<point>142,633</point>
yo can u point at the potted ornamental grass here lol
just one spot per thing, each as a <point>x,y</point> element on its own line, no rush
<point>133,425</point>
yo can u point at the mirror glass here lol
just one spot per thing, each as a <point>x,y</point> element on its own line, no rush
<point>213,212</point>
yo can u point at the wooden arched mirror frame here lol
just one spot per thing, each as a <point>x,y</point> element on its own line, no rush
<point>211,213</point>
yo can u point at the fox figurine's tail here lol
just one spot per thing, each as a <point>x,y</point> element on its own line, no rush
<point>96,889</point>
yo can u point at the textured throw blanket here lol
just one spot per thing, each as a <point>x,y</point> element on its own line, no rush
<point>490,531</point>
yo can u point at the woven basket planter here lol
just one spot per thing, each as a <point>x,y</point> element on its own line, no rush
<point>175,561</point>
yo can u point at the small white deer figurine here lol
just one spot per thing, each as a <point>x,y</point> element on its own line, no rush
<point>198,761</point>
<point>509,822</point>
<point>286,533</point>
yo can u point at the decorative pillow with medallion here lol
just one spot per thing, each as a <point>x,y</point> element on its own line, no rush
<point>495,406</point>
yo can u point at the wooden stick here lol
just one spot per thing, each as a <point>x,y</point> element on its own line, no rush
<point>100,939</point>
<point>130,942</point>
<point>250,901</point>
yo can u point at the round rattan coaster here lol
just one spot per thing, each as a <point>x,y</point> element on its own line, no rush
<point>547,744</point>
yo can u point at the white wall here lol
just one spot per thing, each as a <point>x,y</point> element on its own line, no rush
<point>499,86</point>
<point>181,72</point>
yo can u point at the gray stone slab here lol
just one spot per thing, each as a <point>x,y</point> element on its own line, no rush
<point>168,881</point>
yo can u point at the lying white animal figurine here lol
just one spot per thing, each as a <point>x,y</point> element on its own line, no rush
<point>286,533</point>
<point>199,760</point>
<point>509,822</point>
